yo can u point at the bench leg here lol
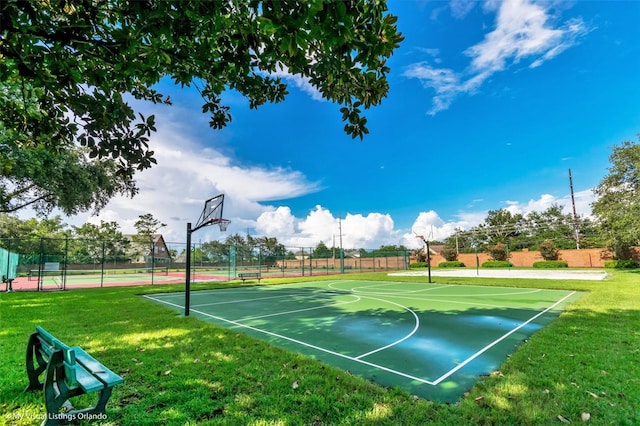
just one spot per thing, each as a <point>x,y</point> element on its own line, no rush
<point>56,418</point>
<point>56,391</point>
<point>36,365</point>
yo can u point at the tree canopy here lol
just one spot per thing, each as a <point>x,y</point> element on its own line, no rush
<point>518,231</point>
<point>73,66</point>
<point>617,207</point>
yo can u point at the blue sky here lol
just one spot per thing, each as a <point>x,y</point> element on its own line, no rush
<point>490,104</point>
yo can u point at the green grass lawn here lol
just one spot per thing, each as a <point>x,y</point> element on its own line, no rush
<point>179,370</point>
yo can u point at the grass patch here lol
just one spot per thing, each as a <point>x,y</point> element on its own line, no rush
<point>181,371</point>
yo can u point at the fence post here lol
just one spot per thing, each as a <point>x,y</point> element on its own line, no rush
<point>41,264</point>
<point>65,263</point>
<point>102,265</point>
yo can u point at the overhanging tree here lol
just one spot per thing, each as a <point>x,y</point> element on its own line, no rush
<point>36,171</point>
<point>617,206</point>
<point>70,65</point>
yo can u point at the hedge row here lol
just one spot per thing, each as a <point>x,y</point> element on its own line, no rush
<point>550,264</point>
<point>622,264</point>
<point>497,264</point>
<point>451,264</point>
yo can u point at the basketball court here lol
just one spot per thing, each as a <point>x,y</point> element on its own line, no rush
<point>431,340</point>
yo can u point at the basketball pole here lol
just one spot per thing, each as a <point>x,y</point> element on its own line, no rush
<point>204,220</point>
<point>428,259</point>
<point>426,243</point>
<point>187,295</point>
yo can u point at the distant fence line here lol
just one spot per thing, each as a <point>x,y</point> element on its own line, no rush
<point>575,258</point>
<point>44,263</point>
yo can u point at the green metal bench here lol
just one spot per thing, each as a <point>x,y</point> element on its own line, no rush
<point>247,275</point>
<point>68,372</point>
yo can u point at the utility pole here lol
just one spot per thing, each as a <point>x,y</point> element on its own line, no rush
<point>341,250</point>
<point>575,216</point>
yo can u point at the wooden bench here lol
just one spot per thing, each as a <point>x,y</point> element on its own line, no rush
<point>248,275</point>
<point>68,372</point>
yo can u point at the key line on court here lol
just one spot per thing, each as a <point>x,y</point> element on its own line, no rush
<point>299,342</point>
<point>495,342</point>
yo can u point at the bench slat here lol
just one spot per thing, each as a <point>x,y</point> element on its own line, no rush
<point>95,368</point>
<point>85,379</point>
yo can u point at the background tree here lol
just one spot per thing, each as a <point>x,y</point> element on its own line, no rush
<point>420,254</point>
<point>270,249</point>
<point>552,225</point>
<point>548,250</point>
<point>243,249</point>
<point>216,251</point>
<point>617,207</point>
<point>147,227</point>
<point>501,225</point>
<point>68,66</point>
<point>11,227</point>
<point>449,253</point>
<point>98,243</point>
<point>32,236</point>
<point>385,250</point>
<point>498,252</point>
<point>322,251</point>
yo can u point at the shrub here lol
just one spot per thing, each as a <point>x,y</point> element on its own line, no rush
<point>548,250</point>
<point>496,264</point>
<point>621,264</point>
<point>449,253</point>
<point>417,265</point>
<point>420,255</point>
<point>551,264</point>
<point>498,252</point>
<point>451,264</point>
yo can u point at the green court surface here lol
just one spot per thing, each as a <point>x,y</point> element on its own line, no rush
<point>431,340</point>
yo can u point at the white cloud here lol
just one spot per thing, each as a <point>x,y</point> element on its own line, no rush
<point>174,190</point>
<point>276,222</point>
<point>432,227</point>
<point>352,231</point>
<point>460,8</point>
<point>524,30</point>
<point>583,200</point>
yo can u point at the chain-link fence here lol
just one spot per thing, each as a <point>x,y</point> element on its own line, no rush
<point>61,263</point>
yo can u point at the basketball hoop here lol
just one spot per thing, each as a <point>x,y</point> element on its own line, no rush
<point>223,224</point>
<point>211,215</point>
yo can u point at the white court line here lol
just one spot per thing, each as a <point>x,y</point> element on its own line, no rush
<point>403,295</point>
<point>318,348</point>
<point>355,289</point>
<point>243,289</point>
<point>358,359</point>
<point>415,328</point>
<point>302,310</point>
<point>495,342</point>
<point>420,290</point>
<point>456,302</point>
<point>280,296</point>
